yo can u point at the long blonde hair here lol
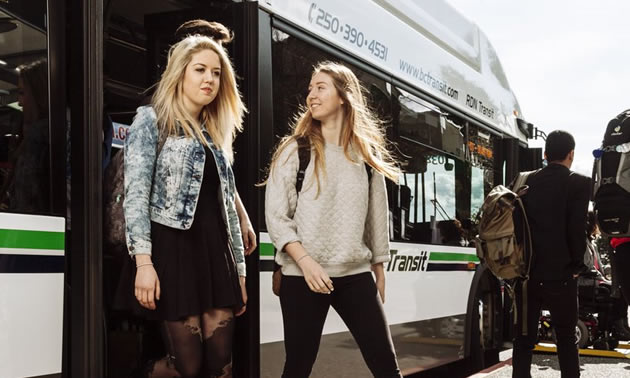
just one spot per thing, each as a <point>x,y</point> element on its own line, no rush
<point>361,129</point>
<point>222,118</point>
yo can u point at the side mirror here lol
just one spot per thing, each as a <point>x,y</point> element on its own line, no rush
<point>525,127</point>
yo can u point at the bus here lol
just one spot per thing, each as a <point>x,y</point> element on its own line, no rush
<point>72,74</point>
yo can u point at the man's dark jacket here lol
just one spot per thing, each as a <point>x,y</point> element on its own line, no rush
<point>556,205</point>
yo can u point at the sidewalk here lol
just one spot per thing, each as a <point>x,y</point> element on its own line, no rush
<point>546,366</point>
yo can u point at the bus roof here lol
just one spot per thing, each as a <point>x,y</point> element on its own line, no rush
<point>428,44</point>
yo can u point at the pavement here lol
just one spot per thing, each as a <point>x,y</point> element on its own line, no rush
<point>546,365</point>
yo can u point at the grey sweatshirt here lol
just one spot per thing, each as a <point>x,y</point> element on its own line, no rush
<point>345,228</point>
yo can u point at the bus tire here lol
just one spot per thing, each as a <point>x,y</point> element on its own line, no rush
<point>485,323</point>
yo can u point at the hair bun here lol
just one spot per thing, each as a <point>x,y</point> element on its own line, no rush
<point>215,30</point>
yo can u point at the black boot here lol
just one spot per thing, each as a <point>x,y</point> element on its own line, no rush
<point>619,331</point>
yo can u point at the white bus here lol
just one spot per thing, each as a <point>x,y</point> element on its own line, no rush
<point>452,118</point>
<point>429,72</point>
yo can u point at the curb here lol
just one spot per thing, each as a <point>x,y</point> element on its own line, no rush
<point>492,369</point>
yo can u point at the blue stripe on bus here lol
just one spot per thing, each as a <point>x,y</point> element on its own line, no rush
<point>266,265</point>
<point>31,264</point>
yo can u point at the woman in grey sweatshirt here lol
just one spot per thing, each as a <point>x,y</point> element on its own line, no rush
<point>331,231</point>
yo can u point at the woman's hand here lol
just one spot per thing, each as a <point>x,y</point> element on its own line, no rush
<point>241,280</point>
<point>247,230</point>
<point>147,287</point>
<point>315,276</point>
<point>380,280</point>
<point>249,236</point>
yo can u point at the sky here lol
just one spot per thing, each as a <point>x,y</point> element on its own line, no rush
<point>568,62</point>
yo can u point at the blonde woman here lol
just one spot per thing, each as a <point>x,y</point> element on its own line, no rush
<point>182,226</point>
<point>334,232</point>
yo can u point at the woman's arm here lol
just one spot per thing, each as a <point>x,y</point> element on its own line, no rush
<point>280,204</point>
<point>281,199</point>
<point>315,276</point>
<point>377,230</point>
<point>247,230</point>
<point>140,154</point>
<point>379,273</point>
<point>377,222</point>
<point>235,226</point>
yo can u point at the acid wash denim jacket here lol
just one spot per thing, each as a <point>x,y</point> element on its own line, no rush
<point>165,190</point>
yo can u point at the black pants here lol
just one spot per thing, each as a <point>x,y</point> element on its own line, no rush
<point>356,300</point>
<point>622,260</point>
<point>560,298</point>
<point>620,309</point>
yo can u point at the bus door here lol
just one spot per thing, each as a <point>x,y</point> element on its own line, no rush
<point>530,158</point>
<point>143,33</point>
<point>32,193</point>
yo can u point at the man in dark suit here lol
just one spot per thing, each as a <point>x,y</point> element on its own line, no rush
<point>556,205</point>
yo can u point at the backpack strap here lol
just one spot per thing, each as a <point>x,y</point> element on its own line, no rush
<point>304,155</point>
<point>529,254</point>
<point>521,180</point>
<point>518,188</point>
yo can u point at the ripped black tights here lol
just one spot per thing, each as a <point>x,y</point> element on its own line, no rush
<point>199,346</point>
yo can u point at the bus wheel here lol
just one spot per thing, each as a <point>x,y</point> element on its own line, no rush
<point>486,306</point>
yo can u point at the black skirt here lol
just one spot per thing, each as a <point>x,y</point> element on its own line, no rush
<point>196,267</point>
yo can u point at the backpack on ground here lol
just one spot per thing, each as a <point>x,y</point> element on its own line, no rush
<point>611,178</point>
<point>498,247</point>
<point>304,157</point>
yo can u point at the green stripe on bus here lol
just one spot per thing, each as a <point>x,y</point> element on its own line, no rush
<point>266,249</point>
<point>31,239</point>
<point>450,256</point>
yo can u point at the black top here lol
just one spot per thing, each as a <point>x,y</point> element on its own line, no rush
<point>556,205</point>
<point>196,267</point>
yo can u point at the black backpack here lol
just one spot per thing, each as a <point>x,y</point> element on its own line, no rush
<point>113,198</point>
<point>611,178</point>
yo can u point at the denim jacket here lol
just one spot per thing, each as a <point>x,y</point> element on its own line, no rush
<point>165,190</point>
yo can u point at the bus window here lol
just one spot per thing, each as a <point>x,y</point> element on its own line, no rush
<point>24,122</point>
<point>432,204</point>
<point>423,122</point>
<point>293,61</point>
<point>32,239</point>
<point>481,155</point>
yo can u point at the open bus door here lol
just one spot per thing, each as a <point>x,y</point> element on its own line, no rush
<point>132,341</point>
<point>490,323</point>
<point>518,158</point>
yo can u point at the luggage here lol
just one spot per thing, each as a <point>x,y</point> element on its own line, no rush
<point>498,247</point>
<point>611,178</point>
<point>504,249</point>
